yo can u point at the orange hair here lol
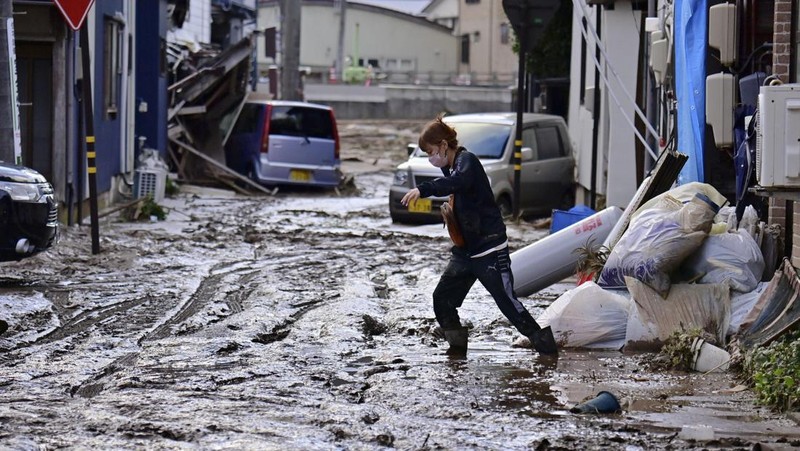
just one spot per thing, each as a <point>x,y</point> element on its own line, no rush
<point>437,131</point>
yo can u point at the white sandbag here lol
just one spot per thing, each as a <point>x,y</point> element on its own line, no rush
<point>684,194</point>
<point>742,304</point>
<point>657,242</point>
<point>733,258</point>
<point>688,306</point>
<point>589,317</point>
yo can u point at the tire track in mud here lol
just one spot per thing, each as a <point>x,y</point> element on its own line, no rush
<point>244,273</point>
<point>311,265</point>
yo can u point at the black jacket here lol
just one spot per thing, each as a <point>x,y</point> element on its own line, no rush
<point>476,211</point>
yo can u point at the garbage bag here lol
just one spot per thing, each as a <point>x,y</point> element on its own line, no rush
<point>653,319</point>
<point>658,241</point>
<point>741,306</point>
<point>589,317</point>
<point>733,258</point>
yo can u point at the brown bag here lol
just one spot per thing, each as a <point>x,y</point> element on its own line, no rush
<point>449,216</point>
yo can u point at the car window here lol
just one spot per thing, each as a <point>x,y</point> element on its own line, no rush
<point>484,140</point>
<point>249,118</point>
<point>529,138</point>
<point>301,121</point>
<point>548,143</point>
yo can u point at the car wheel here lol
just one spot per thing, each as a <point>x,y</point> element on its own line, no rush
<point>506,209</point>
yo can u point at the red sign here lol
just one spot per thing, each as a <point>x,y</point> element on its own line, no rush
<point>74,11</point>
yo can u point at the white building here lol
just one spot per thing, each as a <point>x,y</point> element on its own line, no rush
<point>392,42</point>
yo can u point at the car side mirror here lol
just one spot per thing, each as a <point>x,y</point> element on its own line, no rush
<point>410,148</point>
<point>528,154</point>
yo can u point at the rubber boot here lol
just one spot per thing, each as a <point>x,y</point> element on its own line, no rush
<point>544,342</point>
<point>457,339</point>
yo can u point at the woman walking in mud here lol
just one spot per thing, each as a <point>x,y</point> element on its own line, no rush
<point>480,250</point>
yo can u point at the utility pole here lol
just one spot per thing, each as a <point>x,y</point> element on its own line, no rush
<point>9,114</point>
<point>340,49</point>
<point>291,88</point>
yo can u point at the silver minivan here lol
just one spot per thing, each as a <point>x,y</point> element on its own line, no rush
<point>547,178</point>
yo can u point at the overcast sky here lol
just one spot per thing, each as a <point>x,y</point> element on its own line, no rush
<point>406,6</point>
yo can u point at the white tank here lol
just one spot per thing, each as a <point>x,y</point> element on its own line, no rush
<point>551,259</point>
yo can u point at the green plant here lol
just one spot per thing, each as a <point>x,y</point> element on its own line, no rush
<point>591,258</point>
<point>678,348</point>
<point>145,209</point>
<point>774,372</point>
<point>171,188</point>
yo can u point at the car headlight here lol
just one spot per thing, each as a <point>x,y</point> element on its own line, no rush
<point>22,192</point>
<point>401,178</point>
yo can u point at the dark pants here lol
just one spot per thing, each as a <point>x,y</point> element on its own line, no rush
<point>494,272</point>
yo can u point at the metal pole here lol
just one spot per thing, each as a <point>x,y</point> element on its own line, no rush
<point>596,112</point>
<point>340,49</point>
<point>89,124</point>
<point>523,42</point>
<point>9,116</point>
<point>290,58</point>
<point>651,91</point>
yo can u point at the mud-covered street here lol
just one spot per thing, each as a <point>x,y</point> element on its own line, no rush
<point>303,321</point>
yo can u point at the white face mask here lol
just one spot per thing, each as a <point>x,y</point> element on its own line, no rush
<point>438,160</point>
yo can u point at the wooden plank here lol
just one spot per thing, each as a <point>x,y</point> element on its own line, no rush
<point>189,110</point>
<point>221,166</point>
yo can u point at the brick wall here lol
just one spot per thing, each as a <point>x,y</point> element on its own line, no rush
<point>781,61</point>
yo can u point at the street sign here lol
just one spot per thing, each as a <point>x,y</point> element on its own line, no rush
<point>532,15</point>
<point>74,11</point>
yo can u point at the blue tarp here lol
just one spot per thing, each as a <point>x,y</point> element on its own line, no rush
<point>691,19</point>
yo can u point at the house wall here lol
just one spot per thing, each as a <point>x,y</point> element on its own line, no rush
<point>151,77</point>
<point>482,21</point>
<point>581,116</point>
<point>621,26</point>
<point>398,41</point>
<point>444,12</point>
<point>107,127</point>
<point>785,213</point>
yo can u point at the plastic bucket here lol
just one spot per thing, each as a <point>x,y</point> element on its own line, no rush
<point>604,402</point>
<point>707,357</point>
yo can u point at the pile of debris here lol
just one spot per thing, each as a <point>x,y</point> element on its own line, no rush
<point>683,262</point>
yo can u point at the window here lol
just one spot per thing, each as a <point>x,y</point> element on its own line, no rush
<point>465,48</point>
<point>529,138</point>
<point>473,1</point>
<point>504,33</point>
<point>249,118</point>
<point>548,142</point>
<point>112,66</point>
<point>301,121</point>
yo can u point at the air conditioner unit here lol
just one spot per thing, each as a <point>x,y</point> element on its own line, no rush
<point>778,136</point>
<point>150,182</point>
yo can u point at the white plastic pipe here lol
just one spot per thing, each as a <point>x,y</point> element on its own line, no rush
<point>551,259</point>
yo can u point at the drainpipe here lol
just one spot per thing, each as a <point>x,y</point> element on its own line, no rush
<point>651,91</point>
<point>596,108</point>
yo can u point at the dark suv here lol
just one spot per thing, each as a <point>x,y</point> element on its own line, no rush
<point>28,213</point>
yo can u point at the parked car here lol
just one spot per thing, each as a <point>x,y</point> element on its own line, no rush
<point>28,213</point>
<point>285,143</point>
<point>547,176</point>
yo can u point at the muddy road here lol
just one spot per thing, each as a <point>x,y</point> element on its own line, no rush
<point>302,321</point>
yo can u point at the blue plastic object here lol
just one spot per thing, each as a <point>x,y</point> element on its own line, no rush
<point>604,402</point>
<point>565,218</point>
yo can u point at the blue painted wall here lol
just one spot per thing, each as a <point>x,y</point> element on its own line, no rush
<point>151,76</point>
<point>107,130</point>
